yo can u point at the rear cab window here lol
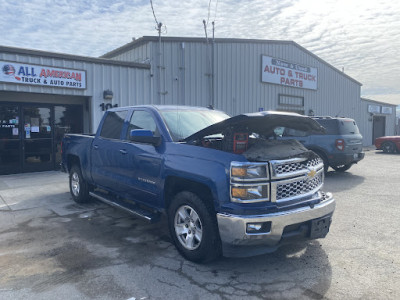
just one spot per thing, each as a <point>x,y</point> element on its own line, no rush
<point>331,126</point>
<point>339,126</point>
<point>294,132</point>
<point>348,127</point>
<point>113,124</point>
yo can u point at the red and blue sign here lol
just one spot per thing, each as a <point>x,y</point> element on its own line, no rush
<point>13,72</point>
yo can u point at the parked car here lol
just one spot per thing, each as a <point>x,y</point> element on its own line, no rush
<point>340,147</point>
<point>224,185</point>
<point>389,144</point>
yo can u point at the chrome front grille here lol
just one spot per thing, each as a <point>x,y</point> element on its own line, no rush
<point>276,180</point>
<point>298,187</point>
<point>287,168</point>
<point>314,162</point>
<point>296,178</point>
<point>294,167</point>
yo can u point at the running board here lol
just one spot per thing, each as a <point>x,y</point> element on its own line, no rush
<point>135,210</point>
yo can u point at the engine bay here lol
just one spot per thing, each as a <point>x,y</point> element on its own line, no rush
<point>253,146</point>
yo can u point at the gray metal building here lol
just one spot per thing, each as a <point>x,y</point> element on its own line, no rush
<point>379,121</point>
<point>44,95</point>
<point>243,75</point>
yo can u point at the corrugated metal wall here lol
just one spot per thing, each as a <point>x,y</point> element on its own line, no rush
<point>142,54</point>
<point>237,76</point>
<point>182,74</point>
<point>185,78</point>
<point>129,85</point>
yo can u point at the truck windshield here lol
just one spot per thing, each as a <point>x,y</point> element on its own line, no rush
<point>183,123</point>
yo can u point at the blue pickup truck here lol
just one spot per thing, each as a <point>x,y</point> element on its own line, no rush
<point>225,184</point>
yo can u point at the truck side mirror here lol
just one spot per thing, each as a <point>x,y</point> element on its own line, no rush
<point>144,136</point>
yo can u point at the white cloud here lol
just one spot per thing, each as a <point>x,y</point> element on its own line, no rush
<point>361,36</point>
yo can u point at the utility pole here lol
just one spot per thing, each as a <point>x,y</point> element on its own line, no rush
<point>212,66</point>
<point>210,71</point>
<point>159,61</point>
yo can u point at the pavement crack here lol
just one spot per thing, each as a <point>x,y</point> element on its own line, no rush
<point>5,203</point>
<point>9,209</point>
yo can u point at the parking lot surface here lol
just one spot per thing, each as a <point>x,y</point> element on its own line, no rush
<point>52,248</point>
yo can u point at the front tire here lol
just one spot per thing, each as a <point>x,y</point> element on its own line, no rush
<point>193,228</point>
<point>388,147</point>
<point>78,187</point>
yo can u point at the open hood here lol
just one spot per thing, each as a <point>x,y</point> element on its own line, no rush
<point>262,123</point>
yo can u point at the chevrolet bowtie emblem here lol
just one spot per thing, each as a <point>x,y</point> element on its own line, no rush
<point>311,174</point>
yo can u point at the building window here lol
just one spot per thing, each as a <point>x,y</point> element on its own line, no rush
<point>291,103</point>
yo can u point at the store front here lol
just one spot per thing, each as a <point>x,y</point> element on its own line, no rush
<point>31,134</point>
<point>44,95</point>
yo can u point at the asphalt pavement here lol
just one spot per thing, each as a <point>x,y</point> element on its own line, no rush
<point>53,248</point>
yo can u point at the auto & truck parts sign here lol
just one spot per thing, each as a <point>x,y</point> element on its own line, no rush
<point>13,72</point>
<point>282,72</point>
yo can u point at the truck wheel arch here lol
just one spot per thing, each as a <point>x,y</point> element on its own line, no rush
<point>73,160</point>
<point>173,185</point>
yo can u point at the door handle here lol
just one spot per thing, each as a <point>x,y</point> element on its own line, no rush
<point>95,147</point>
<point>123,151</point>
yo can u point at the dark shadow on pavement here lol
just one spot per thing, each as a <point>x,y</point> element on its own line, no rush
<point>341,181</point>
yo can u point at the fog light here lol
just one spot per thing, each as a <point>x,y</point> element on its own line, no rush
<point>239,192</point>
<point>254,227</point>
<point>263,227</point>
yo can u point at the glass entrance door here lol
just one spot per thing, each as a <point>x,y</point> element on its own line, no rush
<point>10,144</point>
<point>37,146</point>
<point>31,134</point>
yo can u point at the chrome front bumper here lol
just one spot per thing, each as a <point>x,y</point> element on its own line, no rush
<point>232,228</point>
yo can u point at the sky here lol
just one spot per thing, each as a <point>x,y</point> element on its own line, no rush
<point>361,37</point>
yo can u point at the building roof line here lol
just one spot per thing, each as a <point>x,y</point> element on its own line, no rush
<point>145,39</point>
<point>41,53</point>
<point>378,102</point>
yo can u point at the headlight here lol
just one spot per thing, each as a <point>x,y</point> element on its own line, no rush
<point>250,193</point>
<point>249,182</point>
<point>248,172</point>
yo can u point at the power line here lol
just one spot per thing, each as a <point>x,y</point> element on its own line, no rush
<point>154,14</point>
<point>216,8</point>
<point>209,9</point>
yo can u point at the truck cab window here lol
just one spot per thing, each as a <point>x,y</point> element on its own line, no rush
<point>112,125</point>
<point>142,120</point>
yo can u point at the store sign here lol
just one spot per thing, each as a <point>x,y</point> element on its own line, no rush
<point>374,109</point>
<point>13,72</point>
<point>387,110</point>
<point>281,72</point>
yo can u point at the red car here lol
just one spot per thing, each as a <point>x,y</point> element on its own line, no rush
<point>389,144</point>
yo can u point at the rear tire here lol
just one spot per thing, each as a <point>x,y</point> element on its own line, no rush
<point>342,168</point>
<point>78,187</point>
<point>193,228</point>
<point>388,147</point>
